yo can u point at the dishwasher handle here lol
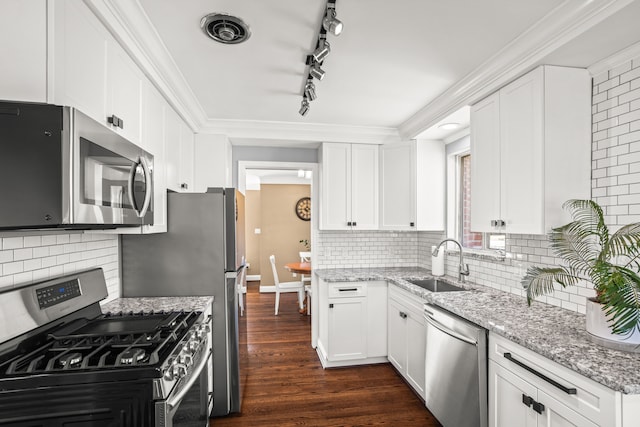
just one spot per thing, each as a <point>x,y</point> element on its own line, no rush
<point>433,322</point>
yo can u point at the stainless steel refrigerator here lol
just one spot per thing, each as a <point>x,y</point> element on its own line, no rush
<point>200,254</point>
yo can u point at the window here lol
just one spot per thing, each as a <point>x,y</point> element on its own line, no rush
<point>466,237</point>
<point>459,188</point>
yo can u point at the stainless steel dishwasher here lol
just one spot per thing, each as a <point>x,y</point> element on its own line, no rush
<point>455,369</point>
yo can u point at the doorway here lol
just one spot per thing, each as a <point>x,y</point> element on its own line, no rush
<point>277,223</point>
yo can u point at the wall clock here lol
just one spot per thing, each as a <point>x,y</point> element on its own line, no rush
<point>303,208</point>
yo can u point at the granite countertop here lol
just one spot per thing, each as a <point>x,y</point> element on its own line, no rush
<point>148,304</point>
<point>550,331</point>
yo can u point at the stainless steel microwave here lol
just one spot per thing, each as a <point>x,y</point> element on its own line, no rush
<point>61,169</point>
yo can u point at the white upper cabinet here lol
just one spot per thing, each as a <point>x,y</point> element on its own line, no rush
<point>179,150</point>
<point>93,73</point>
<point>349,191</point>
<point>526,139</point>
<point>80,59</point>
<point>412,186</point>
<point>24,63</point>
<point>186,158</point>
<point>124,97</point>
<point>153,142</point>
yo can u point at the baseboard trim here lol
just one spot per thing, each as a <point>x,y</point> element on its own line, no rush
<point>253,277</point>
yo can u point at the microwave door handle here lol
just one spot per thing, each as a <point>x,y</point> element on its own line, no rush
<point>132,174</point>
<point>148,189</point>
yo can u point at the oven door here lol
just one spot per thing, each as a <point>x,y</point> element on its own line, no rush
<point>111,181</point>
<point>192,404</point>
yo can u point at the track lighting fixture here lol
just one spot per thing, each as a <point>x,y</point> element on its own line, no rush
<point>316,72</point>
<point>310,90</point>
<point>304,107</point>
<point>322,51</point>
<point>330,24</point>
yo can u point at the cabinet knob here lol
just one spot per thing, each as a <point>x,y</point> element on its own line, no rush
<point>184,186</point>
<point>330,305</point>
<point>403,315</point>
<point>412,224</point>
<point>349,224</point>
<point>527,400</point>
<point>354,223</point>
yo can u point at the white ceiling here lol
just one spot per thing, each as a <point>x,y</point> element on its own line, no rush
<point>392,60</point>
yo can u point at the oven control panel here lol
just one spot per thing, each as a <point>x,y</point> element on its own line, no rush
<point>55,294</point>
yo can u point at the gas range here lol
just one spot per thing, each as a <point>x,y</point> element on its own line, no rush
<point>80,365</point>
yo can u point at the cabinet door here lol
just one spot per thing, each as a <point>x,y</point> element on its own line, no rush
<point>80,59</point>
<point>398,182</point>
<point>506,391</point>
<point>186,157</point>
<point>172,147</point>
<point>377,319</point>
<point>23,49</point>
<point>556,414</point>
<point>397,335</point>
<point>335,199</point>
<point>153,142</point>
<point>124,97</point>
<point>364,186</point>
<point>485,163</point>
<point>416,350</point>
<point>347,329</point>
<point>521,162</point>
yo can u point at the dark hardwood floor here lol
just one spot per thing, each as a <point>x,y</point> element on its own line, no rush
<point>286,385</point>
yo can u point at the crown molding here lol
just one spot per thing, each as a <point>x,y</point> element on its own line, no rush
<point>618,58</point>
<point>562,24</point>
<point>130,25</point>
<point>301,131</point>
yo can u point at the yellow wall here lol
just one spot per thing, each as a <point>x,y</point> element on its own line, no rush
<point>253,220</point>
<point>281,228</point>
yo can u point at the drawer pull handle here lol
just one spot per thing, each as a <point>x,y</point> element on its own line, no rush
<point>348,290</point>
<point>567,390</point>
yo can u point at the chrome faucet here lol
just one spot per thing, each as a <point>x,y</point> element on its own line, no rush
<point>463,269</point>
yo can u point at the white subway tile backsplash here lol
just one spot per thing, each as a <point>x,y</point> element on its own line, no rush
<point>29,258</point>
<point>12,242</point>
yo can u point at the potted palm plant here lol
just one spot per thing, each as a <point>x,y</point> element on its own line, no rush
<point>609,261</point>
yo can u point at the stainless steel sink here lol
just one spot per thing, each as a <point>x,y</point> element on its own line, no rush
<point>436,285</point>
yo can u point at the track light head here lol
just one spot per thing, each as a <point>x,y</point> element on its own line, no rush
<point>310,90</point>
<point>304,107</point>
<point>316,72</point>
<point>332,24</point>
<point>322,51</point>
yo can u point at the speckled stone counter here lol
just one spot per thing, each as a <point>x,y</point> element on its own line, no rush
<point>550,331</point>
<point>148,304</point>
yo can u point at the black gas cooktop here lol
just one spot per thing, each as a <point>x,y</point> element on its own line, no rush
<point>110,341</point>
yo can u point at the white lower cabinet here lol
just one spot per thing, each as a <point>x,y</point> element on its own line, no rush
<point>526,389</point>
<point>406,332</point>
<point>347,329</point>
<point>352,319</point>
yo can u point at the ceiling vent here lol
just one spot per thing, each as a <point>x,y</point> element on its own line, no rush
<point>225,28</point>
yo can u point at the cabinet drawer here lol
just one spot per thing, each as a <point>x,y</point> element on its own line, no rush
<point>594,401</point>
<point>407,299</point>
<point>347,289</point>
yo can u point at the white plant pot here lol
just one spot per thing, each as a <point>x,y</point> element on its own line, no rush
<point>600,329</point>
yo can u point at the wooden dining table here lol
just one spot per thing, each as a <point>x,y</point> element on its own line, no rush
<point>303,268</point>
<point>299,267</point>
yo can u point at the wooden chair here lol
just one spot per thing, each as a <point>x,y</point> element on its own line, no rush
<point>286,286</point>
<point>241,286</point>
<point>306,257</point>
